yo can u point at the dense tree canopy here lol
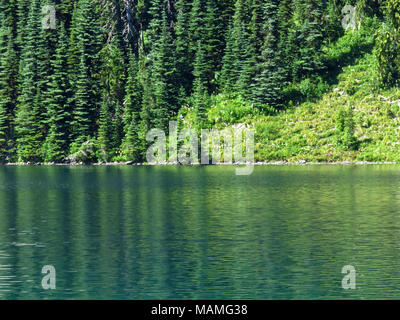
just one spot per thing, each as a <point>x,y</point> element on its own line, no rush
<point>112,69</point>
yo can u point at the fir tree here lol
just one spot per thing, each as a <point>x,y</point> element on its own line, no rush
<point>233,53</point>
<point>184,54</point>
<point>29,115</point>
<point>131,148</point>
<point>84,112</point>
<point>22,13</point>
<point>268,84</point>
<point>311,37</point>
<point>200,93</point>
<point>58,109</point>
<point>8,86</point>
<point>113,85</point>
<point>105,138</point>
<point>86,81</point>
<point>206,29</point>
<point>163,77</point>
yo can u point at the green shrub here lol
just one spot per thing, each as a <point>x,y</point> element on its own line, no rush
<point>345,129</point>
<point>85,152</point>
<point>387,55</point>
<point>308,89</point>
<point>230,110</point>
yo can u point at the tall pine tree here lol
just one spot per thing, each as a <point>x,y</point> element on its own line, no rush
<point>29,120</point>
<point>58,108</point>
<point>267,89</point>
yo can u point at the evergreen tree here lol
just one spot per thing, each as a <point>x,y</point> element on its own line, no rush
<point>268,85</point>
<point>113,85</point>
<point>147,103</point>
<point>64,11</point>
<point>114,69</point>
<point>84,112</point>
<point>242,51</point>
<point>196,22</point>
<point>206,30</point>
<point>86,82</point>
<point>163,16</point>
<point>233,58</point>
<point>8,85</point>
<point>252,41</point>
<point>58,109</point>
<point>184,54</point>
<point>46,49</point>
<point>163,79</point>
<point>387,44</point>
<point>73,51</point>
<point>200,93</point>
<point>29,115</point>
<point>287,34</point>
<point>4,134</point>
<point>131,149</point>
<point>22,13</point>
<point>310,15</point>
<point>105,138</point>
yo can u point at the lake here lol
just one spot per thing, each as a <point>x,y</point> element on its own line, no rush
<point>284,232</point>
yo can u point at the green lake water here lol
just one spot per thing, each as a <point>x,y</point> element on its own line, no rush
<point>200,232</point>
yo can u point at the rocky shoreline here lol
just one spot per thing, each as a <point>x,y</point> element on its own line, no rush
<point>267,163</point>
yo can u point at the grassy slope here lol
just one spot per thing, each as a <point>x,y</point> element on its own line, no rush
<point>309,131</point>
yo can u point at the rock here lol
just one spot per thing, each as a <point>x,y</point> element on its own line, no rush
<point>71,160</point>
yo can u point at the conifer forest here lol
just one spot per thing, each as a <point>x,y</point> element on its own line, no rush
<point>316,81</point>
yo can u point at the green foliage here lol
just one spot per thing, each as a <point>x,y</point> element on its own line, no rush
<point>8,87</point>
<point>112,70</point>
<point>58,111</point>
<point>84,152</point>
<point>387,55</point>
<point>237,52</point>
<point>309,30</point>
<point>29,125</point>
<point>184,52</point>
<point>163,79</point>
<point>345,129</point>
<point>132,146</point>
<point>387,44</point>
<point>229,110</point>
<point>86,80</point>
<point>106,144</point>
<point>312,88</point>
<point>370,8</point>
<point>267,89</point>
<point>391,9</point>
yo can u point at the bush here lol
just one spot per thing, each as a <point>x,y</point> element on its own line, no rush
<point>387,55</point>
<point>85,152</point>
<point>345,129</point>
<point>230,110</point>
<point>308,89</point>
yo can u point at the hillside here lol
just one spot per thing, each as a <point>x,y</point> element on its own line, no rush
<point>312,130</point>
<point>87,81</point>
<point>354,119</point>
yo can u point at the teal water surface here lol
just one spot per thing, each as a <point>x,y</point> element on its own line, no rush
<point>200,232</point>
